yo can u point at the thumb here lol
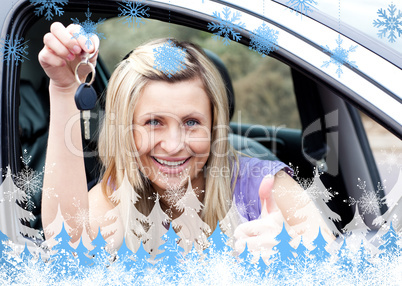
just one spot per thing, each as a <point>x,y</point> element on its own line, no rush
<point>268,204</point>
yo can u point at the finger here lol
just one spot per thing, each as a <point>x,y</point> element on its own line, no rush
<point>48,59</point>
<point>268,204</point>
<point>88,42</point>
<point>65,37</point>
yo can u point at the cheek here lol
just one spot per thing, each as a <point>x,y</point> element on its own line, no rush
<point>199,143</point>
<point>142,140</point>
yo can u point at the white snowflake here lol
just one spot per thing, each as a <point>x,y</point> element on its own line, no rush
<point>169,59</point>
<point>302,6</point>
<point>88,28</point>
<point>13,50</point>
<point>243,208</point>
<point>390,24</point>
<point>264,40</point>
<point>339,56</point>
<point>46,7</point>
<point>226,26</point>
<point>29,181</point>
<point>133,12</point>
<point>391,159</point>
<point>371,201</point>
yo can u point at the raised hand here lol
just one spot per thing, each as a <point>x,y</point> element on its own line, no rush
<point>61,54</point>
<point>260,234</point>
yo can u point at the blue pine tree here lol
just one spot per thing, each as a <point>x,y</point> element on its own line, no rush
<point>26,255</point>
<point>63,260</point>
<point>261,267</point>
<point>302,263</point>
<point>344,262</point>
<point>282,259</point>
<point>246,258</point>
<point>319,253</point>
<point>82,255</point>
<point>390,248</point>
<point>218,241</point>
<point>142,263</point>
<point>4,248</point>
<point>363,257</point>
<point>99,253</point>
<point>172,251</point>
<point>125,256</point>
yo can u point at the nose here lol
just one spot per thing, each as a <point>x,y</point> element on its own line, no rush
<point>173,140</point>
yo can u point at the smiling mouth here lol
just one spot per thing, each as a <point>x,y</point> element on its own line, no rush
<point>170,164</point>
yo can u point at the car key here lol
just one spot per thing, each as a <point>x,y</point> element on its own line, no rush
<point>85,97</point>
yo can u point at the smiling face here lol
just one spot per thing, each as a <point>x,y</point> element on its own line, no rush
<point>173,132</point>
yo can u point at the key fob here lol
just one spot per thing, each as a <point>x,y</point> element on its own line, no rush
<point>85,97</point>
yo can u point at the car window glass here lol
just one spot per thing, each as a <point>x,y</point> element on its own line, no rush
<point>262,85</point>
<point>387,151</point>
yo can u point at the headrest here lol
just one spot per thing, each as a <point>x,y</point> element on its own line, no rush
<point>226,79</point>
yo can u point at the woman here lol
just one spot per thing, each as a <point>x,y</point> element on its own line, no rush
<point>162,132</point>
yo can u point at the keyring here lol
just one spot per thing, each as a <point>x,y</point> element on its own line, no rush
<point>85,62</point>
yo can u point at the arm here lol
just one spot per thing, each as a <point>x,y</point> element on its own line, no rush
<point>66,183</point>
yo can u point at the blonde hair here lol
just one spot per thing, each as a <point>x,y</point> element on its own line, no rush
<point>125,87</point>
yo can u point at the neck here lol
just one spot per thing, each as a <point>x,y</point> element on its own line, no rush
<point>169,198</point>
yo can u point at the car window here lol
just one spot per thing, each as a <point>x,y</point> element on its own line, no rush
<point>263,86</point>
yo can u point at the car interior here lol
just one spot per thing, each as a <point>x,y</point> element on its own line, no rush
<point>331,137</point>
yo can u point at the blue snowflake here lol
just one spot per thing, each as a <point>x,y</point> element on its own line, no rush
<point>14,49</point>
<point>133,12</point>
<point>264,40</point>
<point>302,6</point>
<point>339,56</point>
<point>391,23</point>
<point>169,59</point>
<point>88,28</point>
<point>226,26</point>
<point>46,6</point>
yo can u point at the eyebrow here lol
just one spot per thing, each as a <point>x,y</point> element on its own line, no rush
<point>166,114</point>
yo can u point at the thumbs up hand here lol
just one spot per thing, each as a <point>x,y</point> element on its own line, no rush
<point>260,234</point>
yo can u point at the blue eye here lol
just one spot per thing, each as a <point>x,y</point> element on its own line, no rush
<point>191,122</point>
<point>152,122</point>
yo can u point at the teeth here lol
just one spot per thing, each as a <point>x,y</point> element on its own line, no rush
<point>170,163</point>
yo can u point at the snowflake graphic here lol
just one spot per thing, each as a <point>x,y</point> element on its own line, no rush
<point>46,7</point>
<point>88,28</point>
<point>369,202</point>
<point>391,159</point>
<point>14,49</point>
<point>339,56</point>
<point>243,208</point>
<point>133,12</point>
<point>302,6</point>
<point>264,40</point>
<point>390,24</point>
<point>169,59</point>
<point>226,26</point>
<point>29,181</point>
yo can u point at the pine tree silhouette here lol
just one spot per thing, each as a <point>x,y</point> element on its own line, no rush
<point>4,248</point>
<point>319,252</point>
<point>63,259</point>
<point>390,247</point>
<point>246,258</point>
<point>363,259</point>
<point>142,263</point>
<point>172,251</point>
<point>125,256</point>
<point>82,255</point>
<point>99,253</point>
<point>218,241</point>
<point>344,262</point>
<point>261,267</point>
<point>282,259</point>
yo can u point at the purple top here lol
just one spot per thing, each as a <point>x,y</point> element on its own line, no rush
<point>251,173</point>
